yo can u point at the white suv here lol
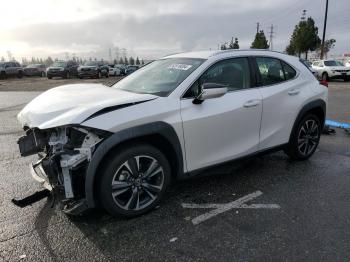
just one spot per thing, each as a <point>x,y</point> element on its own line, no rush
<point>120,146</point>
<point>331,69</point>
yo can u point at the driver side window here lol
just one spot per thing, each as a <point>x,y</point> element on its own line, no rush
<point>233,73</point>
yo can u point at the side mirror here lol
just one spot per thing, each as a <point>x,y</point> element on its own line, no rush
<point>210,90</point>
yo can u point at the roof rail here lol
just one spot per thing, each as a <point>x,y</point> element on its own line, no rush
<point>237,50</point>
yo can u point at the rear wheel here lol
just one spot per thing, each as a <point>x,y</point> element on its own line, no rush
<point>67,75</point>
<point>305,138</point>
<point>3,75</point>
<point>134,181</point>
<point>19,74</point>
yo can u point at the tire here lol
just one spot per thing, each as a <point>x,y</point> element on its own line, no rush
<point>325,76</point>
<point>305,138</point>
<point>107,75</point>
<point>3,75</point>
<point>80,77</point>
<point>136,194</point>
<point>346,79</point>
<point>49,77</point>
<point>19,74</point>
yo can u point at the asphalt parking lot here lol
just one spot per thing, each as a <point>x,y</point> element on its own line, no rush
<point>263,209</point>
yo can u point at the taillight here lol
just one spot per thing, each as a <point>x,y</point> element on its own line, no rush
<point>324,83</point>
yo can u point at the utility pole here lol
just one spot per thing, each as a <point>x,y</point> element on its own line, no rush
<point>257,27</point>
<point>324,30</point>
<point>271,36</point>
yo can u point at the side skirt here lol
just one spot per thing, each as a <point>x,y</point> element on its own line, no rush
<point>200,171</point>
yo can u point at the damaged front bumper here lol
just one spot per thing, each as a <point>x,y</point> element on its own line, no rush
<point>64,156</point>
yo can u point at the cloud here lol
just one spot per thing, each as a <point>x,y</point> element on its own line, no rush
<point>155,28</point>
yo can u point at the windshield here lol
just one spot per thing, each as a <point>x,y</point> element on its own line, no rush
<point>160,77</point>
<point>91,63</point>
<point>59,64</point>
<point>333,63</point>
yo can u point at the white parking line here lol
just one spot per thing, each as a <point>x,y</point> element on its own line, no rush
<point>220,208</point>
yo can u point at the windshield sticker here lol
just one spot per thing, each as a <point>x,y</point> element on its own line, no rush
<point>180,66</point>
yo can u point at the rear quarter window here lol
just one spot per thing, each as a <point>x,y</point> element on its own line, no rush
<point>289,71</point>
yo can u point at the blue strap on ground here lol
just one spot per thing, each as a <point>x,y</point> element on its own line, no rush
<point>337,124</point>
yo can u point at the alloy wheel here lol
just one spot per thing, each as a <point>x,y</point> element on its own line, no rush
<point>308,137</point>
<point>137,182</point>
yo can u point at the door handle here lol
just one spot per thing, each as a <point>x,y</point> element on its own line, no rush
<point>293,92</point>
<point>251,103</point>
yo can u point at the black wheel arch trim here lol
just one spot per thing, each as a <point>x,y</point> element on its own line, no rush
<point>155,128</point>
<point>319,103</point>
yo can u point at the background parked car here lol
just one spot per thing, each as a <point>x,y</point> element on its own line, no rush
<point>12,68</point>
<point>62,69</point>
<point>35,70</point>
<point>131,69</point>
<point>114,70</point>
<point>95,69</point>
<point>122,69</point>
<point>331,69</point>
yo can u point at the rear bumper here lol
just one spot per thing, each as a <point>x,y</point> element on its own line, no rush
<point>88,74</point>
<point>56,74</point>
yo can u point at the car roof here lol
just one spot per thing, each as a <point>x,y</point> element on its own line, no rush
<point>222,53</point>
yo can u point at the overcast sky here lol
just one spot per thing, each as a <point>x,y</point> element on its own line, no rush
<point>153,28</point>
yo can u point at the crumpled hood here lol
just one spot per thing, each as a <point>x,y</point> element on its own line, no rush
<point>72,104</point>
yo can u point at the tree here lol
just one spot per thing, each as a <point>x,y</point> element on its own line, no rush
<point>48,61</point>
<point>142,62</point>
<point>137,61</point>
<point>125,60</point>
<point>2,59</point>
<point>328,45</point>
<point>121,61</point>
<point>223,46</point>
<point>260,41</point>
<point>235,44</point>
<point>131,61</point>
<point>304,38</point>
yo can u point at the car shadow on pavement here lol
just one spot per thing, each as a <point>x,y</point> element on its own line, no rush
<point>223,184</point>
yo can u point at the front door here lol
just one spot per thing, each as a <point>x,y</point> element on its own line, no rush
<point>223,128</point>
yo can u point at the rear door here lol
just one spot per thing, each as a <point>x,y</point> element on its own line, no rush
<point>223,128</point>
<point>282,93</point>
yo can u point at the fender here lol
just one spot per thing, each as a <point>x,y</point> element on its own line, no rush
<point>319,103</point>
<point>160,128</point>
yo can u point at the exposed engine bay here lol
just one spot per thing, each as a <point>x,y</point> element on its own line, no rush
<point>64,154</point>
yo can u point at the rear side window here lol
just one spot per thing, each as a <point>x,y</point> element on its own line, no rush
<point>270,70</point>
<point>289,71</point>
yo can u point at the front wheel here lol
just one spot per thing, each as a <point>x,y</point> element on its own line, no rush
<point>305,138</point>
<point>134,180</point>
